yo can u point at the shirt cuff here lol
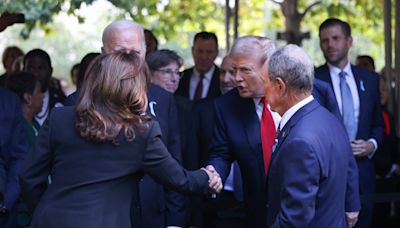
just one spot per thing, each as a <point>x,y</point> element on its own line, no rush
<point>373,141</point>
<point>390,173</point>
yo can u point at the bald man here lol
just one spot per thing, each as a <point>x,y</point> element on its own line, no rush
<point>160,207</point>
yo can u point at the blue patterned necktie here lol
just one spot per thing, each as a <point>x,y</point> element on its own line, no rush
<point>347,107</point>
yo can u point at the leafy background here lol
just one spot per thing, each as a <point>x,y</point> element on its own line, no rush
<point>69,29</point>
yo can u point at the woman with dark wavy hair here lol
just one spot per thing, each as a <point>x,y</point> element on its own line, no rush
<point>96,153</point>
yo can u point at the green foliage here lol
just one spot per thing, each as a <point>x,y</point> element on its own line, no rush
<point>175,22</point>
<point>364,16</point>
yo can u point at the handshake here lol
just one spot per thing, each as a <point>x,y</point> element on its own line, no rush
<point>214,180</point>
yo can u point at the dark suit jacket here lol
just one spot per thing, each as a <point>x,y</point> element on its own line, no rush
<point>13,146</point>
<point>88,192</point>
<point>323,93</point>
<point>72,99</point>
<point>187,134</point>
<point>184,84</point>
<point>370,122</point>
<point>204,122</point>
<point>308,172</point>
<point>237,137</point>
<point>56,93</point>
<point>161,206</point>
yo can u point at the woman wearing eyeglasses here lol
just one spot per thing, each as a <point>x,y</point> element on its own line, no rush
<point>164,66</point>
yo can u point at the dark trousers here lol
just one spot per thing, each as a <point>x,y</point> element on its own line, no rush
<point>387,214</point>
<point>224,211</point>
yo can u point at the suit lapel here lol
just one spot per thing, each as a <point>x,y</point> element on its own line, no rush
<point>213,90</point>
<point>362,95</point>
<point>251,124</point>
<point>324,75</point>
<point>185,83</point>
<point>285,132</point>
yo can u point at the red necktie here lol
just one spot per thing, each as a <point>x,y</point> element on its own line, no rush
<point>386,121</point>
<point>268,134</point>
<point>199,89</point>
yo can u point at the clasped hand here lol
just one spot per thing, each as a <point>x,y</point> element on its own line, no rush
<point>362,148</point>
<point>214,180</point>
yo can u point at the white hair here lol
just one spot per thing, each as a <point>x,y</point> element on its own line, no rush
<point>258,45</point>
<point>294,66</point>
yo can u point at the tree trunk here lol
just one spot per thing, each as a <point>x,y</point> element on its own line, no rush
<point>292,22</point>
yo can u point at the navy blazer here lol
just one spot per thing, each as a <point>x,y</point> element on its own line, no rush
<point>13,146</point>
<point>94,184</point>
<point>72,99</point>
<point>370,121</point>
<point>237,137</point>
<point>187,135</point>
<point>323,93</point>
<point>204,117</point>
<point>161,206</point>
<point>309,171</point>
<point>184,84</point>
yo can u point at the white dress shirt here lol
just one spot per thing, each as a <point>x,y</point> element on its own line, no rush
<point>291,111</point>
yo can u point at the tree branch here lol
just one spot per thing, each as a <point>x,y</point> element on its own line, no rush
<point>279,3</point>
<point>309,8</point>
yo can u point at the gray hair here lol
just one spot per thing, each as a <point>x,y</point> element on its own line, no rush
<point>120,25</point>
<point>258,45</point>
<point>293,65</point>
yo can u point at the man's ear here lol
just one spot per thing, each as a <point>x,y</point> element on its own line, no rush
<point>350,41</point>
<point>27,99</point>
<point>281,85</point>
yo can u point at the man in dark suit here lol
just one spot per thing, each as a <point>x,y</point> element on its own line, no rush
<point>201,81</point>
<point>309,166</point>
<point>226,209</point>
<point>161,207</point>
<point>38,62</point>
<point>237,126</point>
<point>13,149</point>
<point>357,93</point>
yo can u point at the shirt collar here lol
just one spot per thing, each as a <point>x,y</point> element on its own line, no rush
<point>257,100</point>
<point>333,70</point>
<point>291,111</point>
<point>208,75</point>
